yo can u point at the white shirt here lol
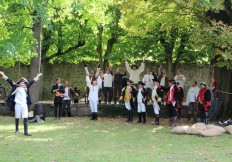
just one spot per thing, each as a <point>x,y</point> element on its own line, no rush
<point>93,90</point>
<point>140,96</point>
<point>170,94</point>
<point>162,81</point>
<point>181,79</point>
<point>192,95</point>
<point>20,95</point>
<point>154,93</point>
<point>148,80</point>
<point>66,93</point>
<point>134,74</point>
<point>108,79</point>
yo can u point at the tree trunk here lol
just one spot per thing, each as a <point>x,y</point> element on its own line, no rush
<point>99,44</point>
<point>110,45</point>
<point>224,80</point>
<point>36,61</point>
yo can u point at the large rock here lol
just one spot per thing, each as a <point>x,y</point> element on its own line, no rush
<point>180,129</point>
<point>197,128</point>
<point>211,132</point>
<point>229,129</point>
<point>215,127</point>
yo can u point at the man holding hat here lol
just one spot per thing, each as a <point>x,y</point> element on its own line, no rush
<point>172,98</point>
<point>203,99</point>
<point>127,97</point>
<point>19,100</point>
<point>140,100</point>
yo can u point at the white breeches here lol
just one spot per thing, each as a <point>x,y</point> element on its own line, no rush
<point>93,105</point>
<point>128,106</point>
<point>21,111</point>
<point>141,107</point>
<point>156,108</point>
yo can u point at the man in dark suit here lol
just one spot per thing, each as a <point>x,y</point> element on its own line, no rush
<point>58,91</point>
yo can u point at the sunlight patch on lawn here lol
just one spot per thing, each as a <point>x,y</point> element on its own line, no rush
<point>156,129</point>
<point>45,128</point>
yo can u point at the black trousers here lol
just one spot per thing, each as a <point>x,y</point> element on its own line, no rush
<point>108,93</point>
<point>58,110</point>
<point>66,106</point>
<point>172,110</point>
<point>117,90</point>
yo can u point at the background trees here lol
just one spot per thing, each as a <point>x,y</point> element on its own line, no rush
<point>166,32</point>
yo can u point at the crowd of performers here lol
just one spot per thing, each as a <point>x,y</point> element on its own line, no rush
<point>154,89</point>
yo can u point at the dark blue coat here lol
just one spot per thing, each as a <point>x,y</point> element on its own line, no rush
<point>10,99</point>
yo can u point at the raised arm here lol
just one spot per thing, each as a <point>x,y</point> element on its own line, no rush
<point>88,81</point>
<point>142,67</point>
<point>34,80</point>
<point>97,72</point>
<point>99,82</point>
<point>7,79</point>
<point>128,68</point>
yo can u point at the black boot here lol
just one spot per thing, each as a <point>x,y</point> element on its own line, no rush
<point>95,118</point>
<point>174,121</point>
<point>69,114</point>
<point>144,117</point>
<point>195,117</point>
<point>63,115</point>
<point>140,118</point>
<point>189,117</point>
<point>131,115</point>
<point>16,125</point>
<point>92,118</point>
<point>157,119</point>
<point>128,117</point>
<point>25,120</point>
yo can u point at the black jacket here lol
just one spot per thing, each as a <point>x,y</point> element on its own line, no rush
<point>10,99</point>
<point>144,93</point>
<point>57,99</point>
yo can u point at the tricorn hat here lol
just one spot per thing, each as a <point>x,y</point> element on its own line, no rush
<point>128,80</point>
<point>141,83</point>
<point>22,80</point>
<point>172,81</point>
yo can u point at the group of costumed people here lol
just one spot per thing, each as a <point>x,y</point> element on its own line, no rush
<point>131,91</point>
<point>151,90</point>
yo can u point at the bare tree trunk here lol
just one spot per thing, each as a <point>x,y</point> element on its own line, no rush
<point>99,44</point>
<point>35,65</point>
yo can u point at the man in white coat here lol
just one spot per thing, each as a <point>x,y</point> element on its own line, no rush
<point>180,78</point>
<point>135,72</point>
<point>93,95</point>
<point>191,101</point>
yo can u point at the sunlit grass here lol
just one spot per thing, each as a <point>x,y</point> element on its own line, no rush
<point>78,139</point>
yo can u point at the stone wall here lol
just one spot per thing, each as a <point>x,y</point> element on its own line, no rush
<point>75,74</point>
<point>104,110</point>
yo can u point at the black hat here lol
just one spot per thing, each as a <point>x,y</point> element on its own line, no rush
<point>141,83</point>
<point>129,81</point>
<point>134,66</point>
<point>172,81</point>
<point>155,80</point>
<point>177,83</point>
<point>22,80</point>
<point>203,83</point>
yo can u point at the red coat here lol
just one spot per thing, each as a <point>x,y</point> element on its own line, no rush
<point>204,98</point>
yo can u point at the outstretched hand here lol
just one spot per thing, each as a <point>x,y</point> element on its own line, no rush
<point>38,75</point>
<point>1,73</point>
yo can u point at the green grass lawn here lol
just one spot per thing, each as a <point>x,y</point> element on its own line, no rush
<point>79,139</point>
